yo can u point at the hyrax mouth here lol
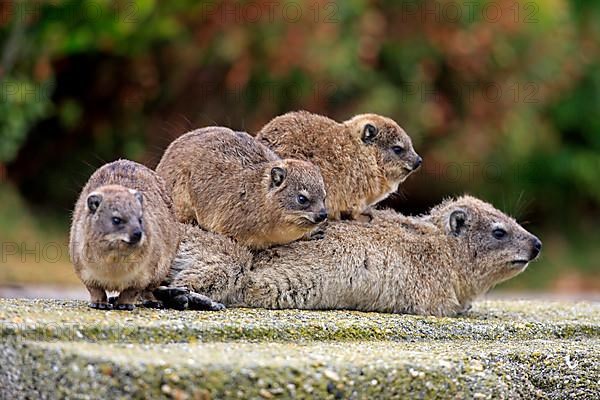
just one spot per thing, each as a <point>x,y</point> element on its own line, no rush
<point>520,263</point>
<point>314,220</point>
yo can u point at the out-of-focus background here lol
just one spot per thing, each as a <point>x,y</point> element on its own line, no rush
<point>501,98</point>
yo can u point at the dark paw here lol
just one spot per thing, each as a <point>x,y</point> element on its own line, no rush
<point>101,306</point>
<point>153,304</point>
<point>180,302</point>
<point>165,293</point>
<point>317,235</point>
<point>465,310</point>
<point>200,302</point>
<point>124,307</point>
<point>214,306</point>
<point>366,217</point>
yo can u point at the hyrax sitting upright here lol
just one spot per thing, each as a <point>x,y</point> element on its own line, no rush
<point>231,184</point>
<point>362,160</point>
<point>433,265</point>
<point>124,235</point>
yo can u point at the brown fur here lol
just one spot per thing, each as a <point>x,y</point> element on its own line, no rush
<point>434,265</point>
<point>99,249</point>
<point>224,181</point>
<point>358,173</point>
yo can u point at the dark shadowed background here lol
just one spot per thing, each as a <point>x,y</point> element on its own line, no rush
<point>501,98</point>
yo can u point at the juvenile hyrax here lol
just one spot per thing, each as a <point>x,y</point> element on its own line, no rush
<point>433,265</point>
<point>124,235</point>
<point>362,160</point>
<point>230,184</point>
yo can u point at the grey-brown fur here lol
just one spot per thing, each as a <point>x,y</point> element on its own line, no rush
<point>134,255</point>
<point>359,171</point>
<point>231,184</point>
<point>434,265</point>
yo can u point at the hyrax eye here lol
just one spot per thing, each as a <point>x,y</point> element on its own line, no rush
<point>302,200</point>
<point>398,150</point>
<point>117,221</point>
<point>499,233</point>
<point>369,133</point>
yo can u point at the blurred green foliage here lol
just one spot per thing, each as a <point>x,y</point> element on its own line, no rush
<point>501,97</point>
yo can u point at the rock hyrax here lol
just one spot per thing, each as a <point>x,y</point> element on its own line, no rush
<point>362,160</point>
<point>433,265</point>
<point>124,235</point>
<point>231,184</point>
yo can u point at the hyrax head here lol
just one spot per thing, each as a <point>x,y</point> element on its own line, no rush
<point>296,188</point>
<point>497,247</point>
<point>388,142</point>
<point>115,215</point>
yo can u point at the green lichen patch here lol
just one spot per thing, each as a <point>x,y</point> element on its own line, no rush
<point>44,320</point>
<point>423,369</point>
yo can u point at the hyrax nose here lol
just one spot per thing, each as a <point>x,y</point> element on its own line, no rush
<point>321,216</point>
<point>537,247</point>
<point>417,163</point>
<point>135,237</point>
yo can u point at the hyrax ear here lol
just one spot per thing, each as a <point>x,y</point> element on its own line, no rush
<point>93,202</point>
<point>457,222</point>
<point>278,175</point>
<point>369,133</point>
<point>139,197</point>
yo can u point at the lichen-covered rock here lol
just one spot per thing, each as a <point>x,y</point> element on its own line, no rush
<point>502,349</point>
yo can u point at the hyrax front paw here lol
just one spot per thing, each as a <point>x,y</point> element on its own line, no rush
<point>165,293</point>
<point>366,216</point>
<point>318,234</point>
<point>214,306</point>
<point>124,307</point>
<point>101,306</point>
<point>156,304</point>
<point>200,302</point>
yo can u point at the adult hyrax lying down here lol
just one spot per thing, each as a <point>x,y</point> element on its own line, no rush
<point>432,265</point>
<point>230,184</point>
<point>124,235</point>
<point>362,160</point>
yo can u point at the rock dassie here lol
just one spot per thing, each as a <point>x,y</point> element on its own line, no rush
<point>124,235</point>
<point>231,184</point>
<point>434,265</point>
<point>362,160</point>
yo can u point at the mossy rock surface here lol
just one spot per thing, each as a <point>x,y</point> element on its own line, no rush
<point>502,349</point>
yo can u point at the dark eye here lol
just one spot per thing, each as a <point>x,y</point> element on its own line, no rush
<point>140,220</point>
<point>117,221</point>
<point>499,233</point>
<point>302,200</point>
<point>369,132</point>
<point>398,150</point>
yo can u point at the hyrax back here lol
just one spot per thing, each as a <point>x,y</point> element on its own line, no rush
<point>435,264</point>
<point>124,234</point>
<point>362,160</point>
<point>230,184</point>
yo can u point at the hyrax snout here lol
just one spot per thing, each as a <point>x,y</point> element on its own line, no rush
<point>362,160</point>
<point>124,235</point>
<point>229,183</point>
